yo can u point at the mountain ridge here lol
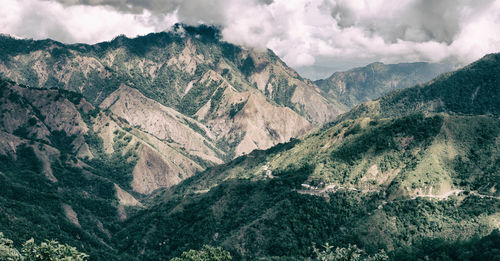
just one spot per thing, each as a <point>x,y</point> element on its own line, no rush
<point>227,100</point>
<point>366,83</point>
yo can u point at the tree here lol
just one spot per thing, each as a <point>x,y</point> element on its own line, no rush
<point>207,253</point>
<point>51,250</point>
<point>351,253</point>
<point>7,250</point>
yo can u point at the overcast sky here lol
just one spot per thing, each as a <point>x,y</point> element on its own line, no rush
<point>316,37</point>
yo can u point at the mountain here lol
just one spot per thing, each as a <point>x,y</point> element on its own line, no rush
<point>363,84</point>
<point>416,166</point>
<point>471,90</point>
<point>206,99</point>
<point>139,149</point>
<point>89,131</point>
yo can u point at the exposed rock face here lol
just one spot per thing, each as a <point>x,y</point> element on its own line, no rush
<point>71,214</point>
<point>275,127</point>
<point>125,198</point>
<point>153,171</point>
<point>162,122</point>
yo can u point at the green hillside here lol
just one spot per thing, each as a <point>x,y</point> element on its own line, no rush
<point>49,191</point>
<point>393,174</point>
<point>256,217</point>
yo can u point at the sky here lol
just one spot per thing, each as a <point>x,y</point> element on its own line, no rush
<point>316,37</point>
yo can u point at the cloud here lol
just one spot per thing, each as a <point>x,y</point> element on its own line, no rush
<point>75,23</point>
<point>305,33</point>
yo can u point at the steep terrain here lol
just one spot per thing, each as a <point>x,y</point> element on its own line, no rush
<point>362,84</point>
<point>57,178</point>
<point>87,132</point>
<point>416,165</point>
<point>187,69</point>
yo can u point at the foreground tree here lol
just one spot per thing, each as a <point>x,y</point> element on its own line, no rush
<point>207,253</point>
<point>349,253</point>
<point>7,250</point>
<point>49,250</point>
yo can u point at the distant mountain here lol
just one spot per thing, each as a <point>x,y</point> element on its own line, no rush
<point>416,165</point>
<point>362,84</point>
<point>471,90</point>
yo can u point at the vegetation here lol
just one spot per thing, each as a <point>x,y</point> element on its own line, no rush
<point>198,96</point>
<point>235,108</point>
<point>49,250</point>
<point>349,253</point>
<point>117,166</point>
<point>485,248</point>
<point>282,92</point>
<point>207,253</point>
<point>7,250</point>
<point>267,218</point>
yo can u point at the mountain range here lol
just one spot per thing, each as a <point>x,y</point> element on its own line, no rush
<point>139,149</point>
<point>415,165</point>
<point>199,100</point>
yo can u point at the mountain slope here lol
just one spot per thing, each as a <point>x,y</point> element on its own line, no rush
<point>362,84</point>
<point>188,69</point>
<point>115,175</point>
<point>52,181</point>
<point>453,116</point>
<point>389,178</point>
<point>197,100</point>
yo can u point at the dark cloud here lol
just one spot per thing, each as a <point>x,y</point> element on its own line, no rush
<point>418,21</point>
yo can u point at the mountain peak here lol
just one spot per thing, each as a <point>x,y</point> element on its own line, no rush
<point>202,31</point>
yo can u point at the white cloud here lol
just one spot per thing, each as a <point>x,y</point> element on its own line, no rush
<point>77,23</point>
